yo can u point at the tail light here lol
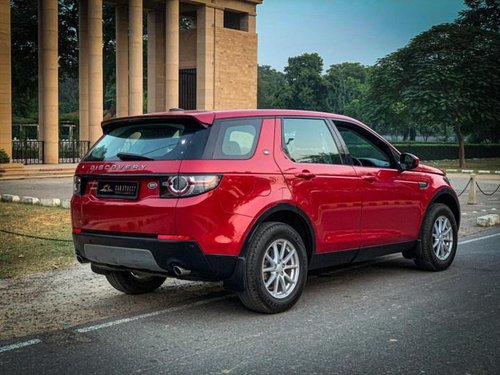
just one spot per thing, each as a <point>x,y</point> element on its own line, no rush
<point>187,186</point>
<point>77,185</point>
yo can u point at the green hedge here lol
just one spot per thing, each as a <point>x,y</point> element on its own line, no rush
<point>436,151</point>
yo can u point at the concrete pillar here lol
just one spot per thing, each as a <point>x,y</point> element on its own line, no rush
<point>172,54</point>
<point>50,93</point>
<point>5,79</point>
<point>121,61</point>
<point>136,63</point>
<point>40,72</point>
<point>151,61</point>
<point>83,66</point>
<point>472,198</point>
<point>160,61</point>
<point>205,55</point>
<point>95,70</point>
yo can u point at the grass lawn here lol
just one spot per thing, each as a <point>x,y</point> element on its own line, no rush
<point>492,164</point>
<point>21,255</point>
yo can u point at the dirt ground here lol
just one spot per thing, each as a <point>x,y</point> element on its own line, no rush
<point>56,300</point>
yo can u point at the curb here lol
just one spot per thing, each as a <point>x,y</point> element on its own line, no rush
<point>32,201</point>
<point>479,171</point>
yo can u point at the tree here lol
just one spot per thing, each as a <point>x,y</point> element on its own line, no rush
<point>448,76</point>
<point>347,82</point>
<point>308,88</point>
<point>272,88</point>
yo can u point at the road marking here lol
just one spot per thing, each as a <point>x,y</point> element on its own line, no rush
<point>148,315</point>
<point>19,345</point>
<point>478,239</point>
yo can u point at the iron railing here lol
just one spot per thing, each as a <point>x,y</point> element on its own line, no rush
<point>72,151</point>
<point>27,152</point>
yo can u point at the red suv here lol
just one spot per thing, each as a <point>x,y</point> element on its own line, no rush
<point>253,198</point>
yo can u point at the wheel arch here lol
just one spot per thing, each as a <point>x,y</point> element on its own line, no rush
<point>290,215</point>
<point>447,197</point>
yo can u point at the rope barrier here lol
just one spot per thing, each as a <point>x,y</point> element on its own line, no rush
<point>487,194</point>
<point>35,237</point>
<point>465,188</point>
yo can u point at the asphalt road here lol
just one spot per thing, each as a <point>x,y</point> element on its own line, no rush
<point>383,316</point>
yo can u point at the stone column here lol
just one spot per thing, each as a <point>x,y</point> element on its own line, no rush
<point>160,60</point>
<point>121,61</point>
<point>136,63</point>
<point>172,54</point>
<point>151,61</point>
<point>5,79</point>
<point>83,66</point>
<point>40,72</point>
<point>95,70</point>
<point>205,55</point>
<point>50,93</point>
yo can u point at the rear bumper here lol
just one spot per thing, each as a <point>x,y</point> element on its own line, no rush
<point>151,255</point>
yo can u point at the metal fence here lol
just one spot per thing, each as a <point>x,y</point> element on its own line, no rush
<point>27,152</point>
<point>72,151</point>
<point>31,152</point>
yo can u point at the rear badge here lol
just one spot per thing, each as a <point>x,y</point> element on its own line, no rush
<point>152,185</point>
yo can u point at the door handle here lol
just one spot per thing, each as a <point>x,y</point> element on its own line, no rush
<point>369,178</point>
<point>305,174</point>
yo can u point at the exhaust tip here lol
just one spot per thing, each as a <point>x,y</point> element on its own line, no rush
<point>179,271</point>
<point>80,259</point>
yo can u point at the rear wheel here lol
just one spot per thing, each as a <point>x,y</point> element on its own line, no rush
<point>134,283</point>
<point>438,239</point>
<point>276,269</point>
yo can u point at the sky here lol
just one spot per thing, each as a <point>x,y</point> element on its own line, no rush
<point>344,30</point>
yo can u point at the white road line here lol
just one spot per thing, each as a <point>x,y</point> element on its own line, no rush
<point>148,315</point>
<point>19,345</point>
<point>478,239</point>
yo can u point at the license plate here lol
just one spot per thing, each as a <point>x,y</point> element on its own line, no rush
<point>117,189</point>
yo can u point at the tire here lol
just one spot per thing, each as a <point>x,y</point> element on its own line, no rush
<point>130,283</point>
<point>274,286</point>
<point>438,239</point>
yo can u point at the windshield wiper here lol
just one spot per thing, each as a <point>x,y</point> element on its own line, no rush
<point>125,156</point>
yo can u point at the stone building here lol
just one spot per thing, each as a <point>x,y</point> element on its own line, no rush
<point>209,63</point>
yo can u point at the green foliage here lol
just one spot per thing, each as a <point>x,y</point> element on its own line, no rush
<point>4,158</point>
<point>347,83</point>
<point>272,88</point>
<point>437,151</point>
<point>308,88</point>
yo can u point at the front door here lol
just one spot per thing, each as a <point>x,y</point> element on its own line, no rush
<point>391,210</point>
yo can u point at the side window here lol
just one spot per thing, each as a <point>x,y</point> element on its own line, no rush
<point>363,151</point>
<point>237,139</point>
<point>309,141</point>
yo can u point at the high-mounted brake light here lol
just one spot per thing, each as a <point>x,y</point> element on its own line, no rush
<point>187,185</point>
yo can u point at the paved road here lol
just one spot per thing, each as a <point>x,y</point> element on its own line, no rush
<point>59,187</point>
<point>383,316</point>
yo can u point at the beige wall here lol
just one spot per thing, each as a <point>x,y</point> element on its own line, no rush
<point>235,69</point>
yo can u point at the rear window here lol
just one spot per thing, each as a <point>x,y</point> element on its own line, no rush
<point>151,141</point>
<point>236,138</point>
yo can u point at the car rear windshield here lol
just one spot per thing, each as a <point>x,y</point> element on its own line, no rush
<point>151,141</point>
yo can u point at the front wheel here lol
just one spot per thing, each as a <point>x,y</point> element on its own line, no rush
<point>438,239</point>
<point>276,269</point>
<point>134,283</point>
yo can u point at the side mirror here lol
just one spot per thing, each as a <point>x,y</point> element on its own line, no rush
<point>408,161</point>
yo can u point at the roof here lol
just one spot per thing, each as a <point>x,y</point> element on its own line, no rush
<point>208,117</point>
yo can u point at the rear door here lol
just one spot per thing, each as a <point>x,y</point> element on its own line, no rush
<point>325,189</point>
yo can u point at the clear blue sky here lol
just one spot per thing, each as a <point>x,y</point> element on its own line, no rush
<point>344,30</point>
